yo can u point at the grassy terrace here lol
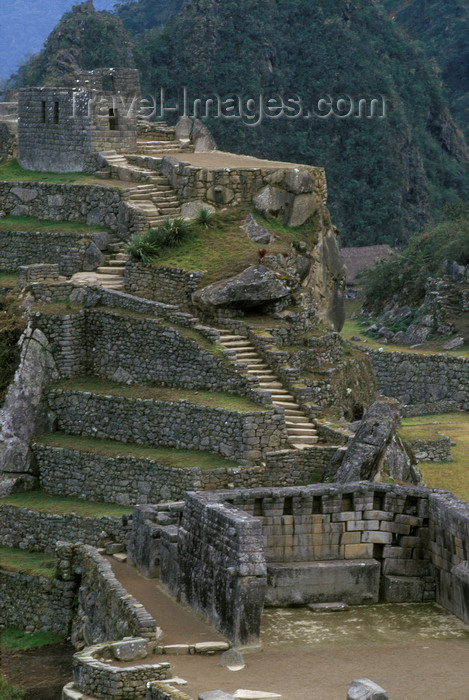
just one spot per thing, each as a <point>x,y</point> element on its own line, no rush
<point>10,170</point>
<point>30,224</point>
<point>180,459</point>
<point>31,563</point>
<point>215,399</point>
<point>18,640</point>
<point>63,505</point>
<point>223,249</point>
<point>447,475</point>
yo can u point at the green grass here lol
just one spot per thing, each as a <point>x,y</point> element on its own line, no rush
<point>57,308</point>
<point>11,170</point>
<point>224,250</point>
<point>31,563</point>
<point>215,399</point>
<point>352,328</point>
<point>180,459</point>
<point>9,279</point>
<point>63,505</point>
<point>19,640</point>
<point>9,692</point>
<point>454,475</point>
<point>30,224</point>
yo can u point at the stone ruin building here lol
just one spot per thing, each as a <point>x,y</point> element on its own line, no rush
<point>62,129</point>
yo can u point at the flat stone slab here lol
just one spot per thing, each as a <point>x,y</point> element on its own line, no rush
<point>176,649</point>
<point>243,694</point>
<point>211,647</point>
<point>215,695</point>
<point>353,581</point>
<point>127,650</point>
<point>328,607</point>
<point>120,556</point>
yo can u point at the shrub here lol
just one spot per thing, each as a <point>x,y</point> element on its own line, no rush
<point>139,247</point>
<point>204,218</point>
<point>170,233</point>
<point>8,692</point>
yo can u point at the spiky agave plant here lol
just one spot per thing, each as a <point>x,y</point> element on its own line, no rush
<point>142,247</point>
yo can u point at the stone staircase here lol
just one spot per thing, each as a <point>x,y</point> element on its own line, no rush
<point>154,199</point>
<point>301,432</point>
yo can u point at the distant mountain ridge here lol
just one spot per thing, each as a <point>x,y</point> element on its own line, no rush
<point>25,24</point>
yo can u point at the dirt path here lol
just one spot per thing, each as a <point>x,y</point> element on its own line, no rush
<point>180,625</point>
<point>41,672</point>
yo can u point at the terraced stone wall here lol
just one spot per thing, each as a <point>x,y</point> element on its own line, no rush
<point>423,383</point>
<point>39,531</point>
<point>164,284</point>
<point>90,204</point>
<point>68,250</point>
<point>123,347</point>
<point>128,480</point>
<point>36,601</point>
<point>239,436</point>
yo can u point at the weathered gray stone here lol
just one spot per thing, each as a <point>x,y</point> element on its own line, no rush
<point>215,695</point>
<point>272,201</point>
<point>127,650</point>
<point>93,258</point>
<point>183,128</point>
<point>255,286</point>
<point>364,689</point>
<point>201,138</point>
<point>298,181</point>
<point>257,233</point>
<point>101,239</point>
<point>329,607</point>
<point>302,208</point>
<point>454,344</point>
<point>366,453</point>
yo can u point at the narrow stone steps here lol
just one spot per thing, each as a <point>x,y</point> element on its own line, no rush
<point>110,270</point>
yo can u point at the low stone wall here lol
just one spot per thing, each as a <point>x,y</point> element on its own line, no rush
<point>100,679</point>
<point>167,285</point>
<point>426,383</point>
<point>35,601</point>
<point>70,251</point>
<point>90,204</point>
<point>38,531</point>
<point>105,610</point>
<point>239,436</point>
<point>432,450</point>
<point>128,480</point>
<point>162,691</point>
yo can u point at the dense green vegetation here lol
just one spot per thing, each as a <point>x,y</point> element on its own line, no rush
<point>404,274</point>
<point>442,27</point>
<point>385,175</point>
<point>11,326</point>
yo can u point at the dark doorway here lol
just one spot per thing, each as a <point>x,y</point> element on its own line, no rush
<point>113,125</point>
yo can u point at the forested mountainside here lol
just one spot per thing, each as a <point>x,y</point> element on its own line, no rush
<point>386,176</point>
<point>443,28</point>
<point>24,24</point>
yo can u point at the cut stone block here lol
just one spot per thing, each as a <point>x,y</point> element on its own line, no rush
<point>354,582</point>
<point>210,647</point>
<point>328,607</point>
<point>127,650</point>
<point>402,589</point>
<point>243,694</point>
<point>176,649</point>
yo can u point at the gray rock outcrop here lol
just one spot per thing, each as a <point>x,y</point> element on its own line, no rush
<point>257,233</point>
<point>255,286</point>
<point>375,449</point>
<point>23,414</point>
<point>201,138</point>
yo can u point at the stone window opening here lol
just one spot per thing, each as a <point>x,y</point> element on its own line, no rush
<point>113,120</point>
<point>43,112</point>
<point>317,505</point>
<point>56,112</point>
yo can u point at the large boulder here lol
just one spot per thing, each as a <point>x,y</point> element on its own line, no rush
<point>255,286</point>
<point>364,689</point>
<point>23,414</point>
<point>375,449</point>
<point>328,279</point>
<point>257,233</point>
<point>202,138</point>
